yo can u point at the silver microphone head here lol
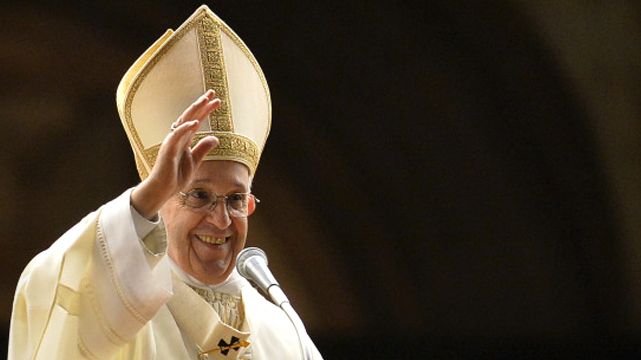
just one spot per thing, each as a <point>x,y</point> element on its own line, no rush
<point>244,255</point>
<point>251,264</point>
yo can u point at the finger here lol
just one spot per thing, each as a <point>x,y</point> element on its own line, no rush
<point>210,94</point>
<point>204,111</point>
<point>186,165</point>
<point>186,133</point>
<point>199,109</point>
<point>204,146</point>
<point>180,139</point>
<point>193,109</point>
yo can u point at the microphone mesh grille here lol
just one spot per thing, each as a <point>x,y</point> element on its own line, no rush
<point>244,255</point>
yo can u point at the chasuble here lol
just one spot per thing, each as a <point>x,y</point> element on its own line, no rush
<point>99,293</point>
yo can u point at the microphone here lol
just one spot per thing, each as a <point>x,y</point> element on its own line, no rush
<point>251,263</point>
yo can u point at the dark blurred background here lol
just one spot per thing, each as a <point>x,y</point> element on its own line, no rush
<point>444,179</point>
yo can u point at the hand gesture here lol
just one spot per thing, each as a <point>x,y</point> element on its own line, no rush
<point>176,161</point>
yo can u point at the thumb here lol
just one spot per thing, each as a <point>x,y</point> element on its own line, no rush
<point>204,146</point>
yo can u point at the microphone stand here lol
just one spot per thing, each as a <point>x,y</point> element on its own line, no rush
<point>279,298</point>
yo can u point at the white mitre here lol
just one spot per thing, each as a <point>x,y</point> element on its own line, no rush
<point>203,53</point>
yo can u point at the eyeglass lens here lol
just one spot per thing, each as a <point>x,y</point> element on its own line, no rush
<point>236,203</point>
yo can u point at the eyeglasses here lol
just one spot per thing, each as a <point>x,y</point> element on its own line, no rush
<point>238,205</point>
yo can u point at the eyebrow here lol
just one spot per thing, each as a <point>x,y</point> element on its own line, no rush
<point>202,181</point>
<point>237,185</point>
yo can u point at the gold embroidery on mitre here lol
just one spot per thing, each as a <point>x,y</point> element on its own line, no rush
<point>215,76</point>
<point>210,29</point>
<point>231,146</point>
<point>140,166</point>
<point>235,147</point>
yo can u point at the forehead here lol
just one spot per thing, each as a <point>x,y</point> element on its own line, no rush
<point>222,176</point>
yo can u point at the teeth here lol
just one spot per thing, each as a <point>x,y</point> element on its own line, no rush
<point>212,240</point>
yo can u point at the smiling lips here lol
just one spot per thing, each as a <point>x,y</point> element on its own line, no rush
<point>212,240</point>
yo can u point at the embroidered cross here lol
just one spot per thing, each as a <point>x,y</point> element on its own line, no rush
<point>224,347</point>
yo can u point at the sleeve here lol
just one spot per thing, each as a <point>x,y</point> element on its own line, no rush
<point>121,292</point>
<point>152,236</point>
<point>91,292</point>
<point>142,225</point>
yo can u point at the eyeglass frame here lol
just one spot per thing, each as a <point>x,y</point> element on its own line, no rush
<point>210,207</point>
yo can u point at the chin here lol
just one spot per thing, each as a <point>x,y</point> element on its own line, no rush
<point>217,272</point>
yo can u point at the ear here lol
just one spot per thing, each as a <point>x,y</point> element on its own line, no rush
<point>251,206</point>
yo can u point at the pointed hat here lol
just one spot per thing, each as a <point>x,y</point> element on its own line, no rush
<point>203,53</point>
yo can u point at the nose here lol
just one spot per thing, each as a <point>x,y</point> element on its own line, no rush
<point>219,216</point>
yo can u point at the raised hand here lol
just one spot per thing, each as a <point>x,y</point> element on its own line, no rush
<point>176,161</point>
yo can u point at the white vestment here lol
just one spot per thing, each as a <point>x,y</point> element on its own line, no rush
<point>99,293</point>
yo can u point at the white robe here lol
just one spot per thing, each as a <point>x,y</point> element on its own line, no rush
<point>98,293</point>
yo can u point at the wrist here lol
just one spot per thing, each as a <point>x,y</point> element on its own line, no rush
<point>145,202</point>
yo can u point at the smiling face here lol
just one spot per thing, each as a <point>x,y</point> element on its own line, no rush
<point>205,244</point>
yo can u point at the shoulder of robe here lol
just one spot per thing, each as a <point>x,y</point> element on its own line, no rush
<point>45,267</point>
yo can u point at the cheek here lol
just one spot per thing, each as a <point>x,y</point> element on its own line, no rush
<point>241,231</point>
<point>178,222</point>
<point>240,224</point>
<point>179,245</point>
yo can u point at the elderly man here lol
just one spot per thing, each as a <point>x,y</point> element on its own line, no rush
<point>151,274</point>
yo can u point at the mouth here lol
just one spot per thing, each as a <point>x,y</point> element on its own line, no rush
<point>212,240</point>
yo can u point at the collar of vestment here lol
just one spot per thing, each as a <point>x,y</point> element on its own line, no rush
<point>200,322</point>
<point>232,285</point>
